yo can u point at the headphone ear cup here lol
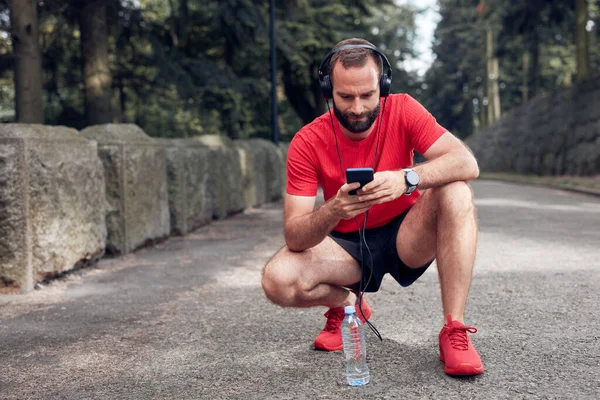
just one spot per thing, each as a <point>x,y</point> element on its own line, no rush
<point>326,88</point>
<point>385,84</point>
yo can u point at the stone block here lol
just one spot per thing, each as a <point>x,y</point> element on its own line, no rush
<point>263,170</point>
<point>283,149</point>
<point>276,171</point>
<point>190,205</point>
<point>254,184</point>
<point>136,185</point>
<point>225,182</point>
<point>53,203</point>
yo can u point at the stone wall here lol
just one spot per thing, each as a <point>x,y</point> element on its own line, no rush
<point>136,185</point>
<point>558,134</point>
<point>52,203</point>
<point>69,197</point>
<point>188,172</point>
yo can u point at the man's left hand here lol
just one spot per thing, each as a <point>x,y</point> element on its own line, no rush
<point>385,186</point>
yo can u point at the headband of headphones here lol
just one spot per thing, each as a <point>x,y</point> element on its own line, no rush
<point>385,82</point>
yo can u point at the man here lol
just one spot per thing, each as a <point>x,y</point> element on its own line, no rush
<point>405,230</point>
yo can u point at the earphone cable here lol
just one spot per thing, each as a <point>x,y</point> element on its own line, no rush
<point>337,146</point>
<point>371,326</point>
<point>361,232</point>
<point>378,129</point>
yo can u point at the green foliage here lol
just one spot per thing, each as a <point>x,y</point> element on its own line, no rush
<point>542,29</point>
<point>456,77</point>
<point>188,67</point>
<point>393,30</point>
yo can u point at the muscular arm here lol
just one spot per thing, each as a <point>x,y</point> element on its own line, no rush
<point>449,160</point>
<point>305,227</point>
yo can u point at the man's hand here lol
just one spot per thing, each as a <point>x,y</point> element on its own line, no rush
<point>385,186</point>
<point>346,206</point>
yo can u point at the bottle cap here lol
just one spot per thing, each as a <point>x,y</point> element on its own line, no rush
<point>349,310</point>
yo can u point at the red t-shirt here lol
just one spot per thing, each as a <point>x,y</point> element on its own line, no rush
<point>313,161</point>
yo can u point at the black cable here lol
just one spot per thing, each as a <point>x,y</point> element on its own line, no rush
<point>378,129</point>
<point>336,141</point>
<point>361,233</point>
<point>360,293</point>
<point>364,239</point>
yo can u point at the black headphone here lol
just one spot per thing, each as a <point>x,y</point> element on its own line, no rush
<point>325,81</point>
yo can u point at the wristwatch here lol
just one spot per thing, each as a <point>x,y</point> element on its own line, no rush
<point>412,180</point>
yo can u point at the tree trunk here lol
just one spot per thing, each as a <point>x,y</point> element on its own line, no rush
<point>493,95</point>
<point>119,114</point>
<point>28,61</point>
<point>497,105</point>
<point>482,115</point>
<point>96,71</point>
<point>176,29</point>
<point>525,87</point>
<point>535,66</point>
<point>184,26</point>
<point>297,95</point>
<point>582,40</point>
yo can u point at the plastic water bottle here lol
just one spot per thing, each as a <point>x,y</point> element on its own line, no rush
<point>355,349</point>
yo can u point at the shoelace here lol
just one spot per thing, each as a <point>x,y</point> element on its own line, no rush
<point>334,319</point>
<point>458,336</point>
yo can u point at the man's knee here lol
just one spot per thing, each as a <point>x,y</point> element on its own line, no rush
<point>456,197</point>
<point>280,280</point>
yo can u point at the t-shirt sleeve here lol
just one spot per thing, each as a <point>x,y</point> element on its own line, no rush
<point>422,128</point>
<point>301,171</point>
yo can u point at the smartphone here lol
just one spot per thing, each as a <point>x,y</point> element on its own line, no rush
<point>362,175</point>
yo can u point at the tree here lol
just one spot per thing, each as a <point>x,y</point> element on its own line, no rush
<point>456,80</point>
<point>581,40</point>
<point>28,64</point>
<point>97,80</point>
<point>392,29</point>
<point>306,31</point>
<point>189,67</point>
<point>540,30</point>
<point>530,52</point>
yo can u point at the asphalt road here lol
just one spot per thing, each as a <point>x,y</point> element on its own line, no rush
<point>187,319</point>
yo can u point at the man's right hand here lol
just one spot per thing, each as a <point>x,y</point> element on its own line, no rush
<point>346,206</point>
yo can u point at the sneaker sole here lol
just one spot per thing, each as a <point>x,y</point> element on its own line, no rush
<point>464,369</point>
<point>326,348</point>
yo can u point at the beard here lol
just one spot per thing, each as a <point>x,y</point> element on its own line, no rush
<point>348,119</point>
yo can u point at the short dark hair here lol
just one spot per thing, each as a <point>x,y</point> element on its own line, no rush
<point>354,57</point>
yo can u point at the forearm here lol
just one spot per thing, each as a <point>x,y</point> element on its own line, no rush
<point>306,231</point>
<point>456,165</point>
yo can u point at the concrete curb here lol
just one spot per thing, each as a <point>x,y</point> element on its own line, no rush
<point>569,188</point>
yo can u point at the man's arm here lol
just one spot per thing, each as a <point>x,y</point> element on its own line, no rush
<point>449,160</point>
<point>305,228</point>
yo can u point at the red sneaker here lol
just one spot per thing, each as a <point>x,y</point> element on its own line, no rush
<point>457,351</point>
<point>330,338</point>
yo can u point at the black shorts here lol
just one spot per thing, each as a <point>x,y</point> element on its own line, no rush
<point>384,256</point>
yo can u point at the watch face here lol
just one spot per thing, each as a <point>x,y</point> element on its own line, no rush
<point>412,178</point>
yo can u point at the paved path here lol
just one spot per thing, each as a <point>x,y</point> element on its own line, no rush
<point>187,319</point>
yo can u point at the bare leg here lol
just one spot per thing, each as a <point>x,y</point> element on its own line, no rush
<point>443,224</point>
<point>314,277</point>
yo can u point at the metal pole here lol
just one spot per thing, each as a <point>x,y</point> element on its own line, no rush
<point>273,74</point>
